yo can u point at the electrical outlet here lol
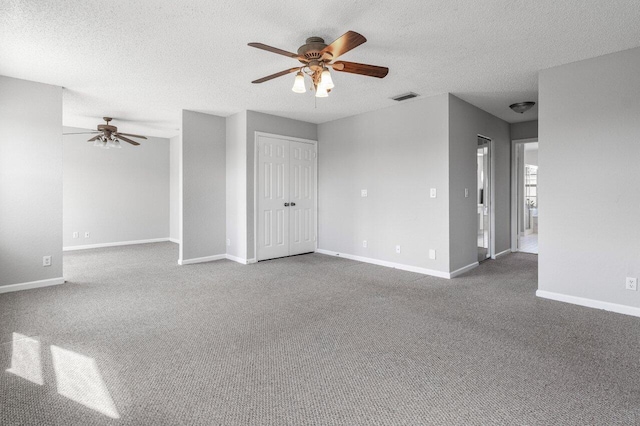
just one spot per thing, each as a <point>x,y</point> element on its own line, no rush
<point>363,193</point>
<point>631,284</point>
<point>228,242</point>
<point>76,234</point>
<point>364,243</point>
<point>466,193</point>
<point>46,260</point>
<point>397,249</point>
<point>86,234</point>
<point>432,254</point>
<point>432,193</point>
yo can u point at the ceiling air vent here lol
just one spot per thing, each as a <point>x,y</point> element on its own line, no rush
<point>405,96</point>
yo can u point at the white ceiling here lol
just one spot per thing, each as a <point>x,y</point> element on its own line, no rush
<point>142,62</point>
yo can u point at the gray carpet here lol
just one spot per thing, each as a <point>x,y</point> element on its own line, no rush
<point>311,339</point>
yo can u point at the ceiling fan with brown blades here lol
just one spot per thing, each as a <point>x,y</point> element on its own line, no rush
<point>108,136</point>
<point>317,57</point>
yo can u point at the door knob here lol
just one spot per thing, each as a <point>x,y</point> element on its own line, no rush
<point>286,204</point>
<point>293,204</point>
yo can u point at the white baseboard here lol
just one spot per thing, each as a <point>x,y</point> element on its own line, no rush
<point>589,303</point>
<point>30,285</point>
<point>464,269</point>
<point>238,259</point>
<point>201,259</point>
<point>174,240</point>
<point>241,260</point>
<point>119,243</point>
<point>502,253</point>
<point>400,266</point>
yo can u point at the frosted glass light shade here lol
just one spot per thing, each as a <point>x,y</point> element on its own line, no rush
<point>321,91</point>
<point>298,84</point>
<point>326,80</point>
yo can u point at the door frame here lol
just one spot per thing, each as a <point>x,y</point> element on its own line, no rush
<point>492,196</point>
<point>257,134</point>
<point>514,190</point>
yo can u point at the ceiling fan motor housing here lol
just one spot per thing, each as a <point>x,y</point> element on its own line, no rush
<point>312,51</point>
<point>107,128</point>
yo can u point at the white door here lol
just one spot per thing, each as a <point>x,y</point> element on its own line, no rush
<point>273,198</point>
<point>302,194</point>
<point>286,204</point>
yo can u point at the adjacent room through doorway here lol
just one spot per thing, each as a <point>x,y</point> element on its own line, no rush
<point>526,182</point>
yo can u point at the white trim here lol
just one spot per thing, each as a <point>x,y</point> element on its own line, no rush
<point>492,198</point>
<point>181,190</point>
<point>174,240</point>
<point>201,259</point>
<point>589,303</point>
<point>463,270</point>
<point>502,253</point>
<point>409,268</point>
<point>237,259</point>
<point>118,243</point>
<point>256,135</point>
<point>30,285</point>
<point>250,261</point>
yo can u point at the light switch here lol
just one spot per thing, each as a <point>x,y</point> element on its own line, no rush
<point>433,193</point>
<point>466,193</point>
<point>432,254</point>
<point>363,193</point>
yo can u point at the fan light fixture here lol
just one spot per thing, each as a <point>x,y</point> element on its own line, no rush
<point>298,84</point>
<point>326,80</point>
<point>321,91</point>
<point>322,81</point>
<point>522,107</point>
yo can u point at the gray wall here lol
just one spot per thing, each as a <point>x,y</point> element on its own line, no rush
<point>397,154</point>
<point>203,185</point>
<point>466,122</point>
<point>524,130</point>
<point>590,154</point>
<point>175,147</point>
<point>30,180</point>
<point>114,194</point>
<point>236,193</point>
<point>260,122</point>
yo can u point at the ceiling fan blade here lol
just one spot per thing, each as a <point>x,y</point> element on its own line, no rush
<point>82,133</point>
<point>122,138</point>
<point>129,134</point>
<point>278,74</point>
<point>95,137</point>
<point>362,69</point>
<point>345,43</point>
<point>274,50</point>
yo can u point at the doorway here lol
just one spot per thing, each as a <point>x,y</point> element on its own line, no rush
<point>525,197</point>
<point>484,198</point>
<point>286,204</point>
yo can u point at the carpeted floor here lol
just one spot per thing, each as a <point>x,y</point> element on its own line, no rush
<point>135,339</point>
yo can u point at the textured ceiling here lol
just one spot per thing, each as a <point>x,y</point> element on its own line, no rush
<point>142,62</point>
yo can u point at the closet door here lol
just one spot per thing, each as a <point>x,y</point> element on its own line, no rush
<point>302,196</point>
<point>273,198</point>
